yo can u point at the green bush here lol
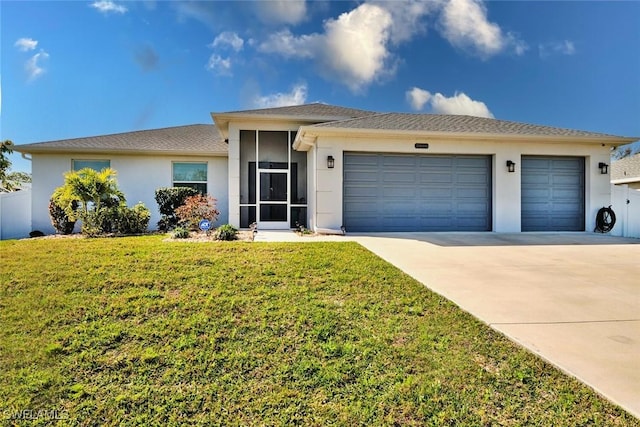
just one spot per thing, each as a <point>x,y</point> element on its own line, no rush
<point>119,219</point>
<point>97,222</point>
<point>59,218</point>
<point>180,233</point>
<point>132,220</point>
<point>169,199</point>
<point>226,232</point>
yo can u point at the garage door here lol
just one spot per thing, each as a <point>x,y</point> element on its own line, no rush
<point>389,192</point>
<point>552,193</point>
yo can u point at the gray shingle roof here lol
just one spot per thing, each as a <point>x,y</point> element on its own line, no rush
<point>627,168</point>
<point>454,124</point>
<point>187,140</point>
<point>307,110</point>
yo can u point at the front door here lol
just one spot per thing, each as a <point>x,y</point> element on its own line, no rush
<point>273,199</point>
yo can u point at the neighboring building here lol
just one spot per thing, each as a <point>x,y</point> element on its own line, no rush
<point>326,167</point>
<point>627,171</point>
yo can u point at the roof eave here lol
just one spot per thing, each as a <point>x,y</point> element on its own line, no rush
<point>67,150</point>
<point>312,131</point>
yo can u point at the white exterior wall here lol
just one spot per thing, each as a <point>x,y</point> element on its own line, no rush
<point>506,186</point>
<point>15,214</point>
<point>138,178</point>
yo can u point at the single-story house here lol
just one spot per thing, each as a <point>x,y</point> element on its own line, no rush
<point>627,171</point>
<point>326,167</point>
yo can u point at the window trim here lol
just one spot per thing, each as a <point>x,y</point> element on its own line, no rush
<point>175,183</point>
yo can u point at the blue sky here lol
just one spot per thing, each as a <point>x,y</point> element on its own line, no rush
<point>80,68</point>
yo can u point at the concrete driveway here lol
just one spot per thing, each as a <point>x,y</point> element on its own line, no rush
<point>573,299</point>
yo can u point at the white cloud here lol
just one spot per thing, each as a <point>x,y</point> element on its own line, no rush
<point>408,17</point>
<point>297,96</point>
<point>228,38</point>
<point>564,47</point>
<point>289,45</point>
<point>465,25</point>
<point>417,98</point>
<point>276,12</point>
<point>26,44</point>
<point>33,65</point>
<point>107,6</point>
<point>219,65</point>
<point>352,49</point>
<point>458,104</point>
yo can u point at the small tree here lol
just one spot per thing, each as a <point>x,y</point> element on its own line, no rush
<point>195,209</point>
<point>90,190</point>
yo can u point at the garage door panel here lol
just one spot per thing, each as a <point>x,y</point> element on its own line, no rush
<point>472,193</point>
<point>570,181</point>
<point>435,162</point>
<point>362,160</point>
<point>435,178</point>
<point>401,193</point>
<point>552,193</point>
<point>398,177</point>
<point>399,161</point>
<point>435,193</point>
<point>362,176</point>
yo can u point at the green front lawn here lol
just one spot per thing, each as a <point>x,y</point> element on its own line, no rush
<point>144,332</point>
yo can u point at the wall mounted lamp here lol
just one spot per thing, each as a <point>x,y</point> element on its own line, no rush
<point>604,168</point>
<point>331,162</point>
<point>511,166</point>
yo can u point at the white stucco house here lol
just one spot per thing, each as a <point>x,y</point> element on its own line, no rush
<point>327,167</point>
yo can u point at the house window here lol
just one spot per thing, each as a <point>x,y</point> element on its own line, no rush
<point>96,165</point>
<point>192,175</point>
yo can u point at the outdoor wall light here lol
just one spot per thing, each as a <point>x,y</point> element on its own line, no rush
<point>331,162</point>
<point>511,166</point>
<point>604,168</point>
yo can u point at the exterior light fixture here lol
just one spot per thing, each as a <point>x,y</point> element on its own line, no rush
<point>604,168</point>
<point>511,166</point>
<point>331,162</point>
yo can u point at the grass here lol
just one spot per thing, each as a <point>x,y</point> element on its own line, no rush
<point>137,331</point>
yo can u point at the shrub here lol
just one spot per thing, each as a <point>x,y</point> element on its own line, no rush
<point>180,233</point>
<point>118,219</point>
<point>59,218</point>
<point>226,232</point>
<point>195,209</point>
<point>36,233</point>
<point>98,222</point>
<point>169,199</point>
<point>132,220</point>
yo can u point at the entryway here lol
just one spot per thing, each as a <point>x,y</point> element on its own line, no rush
<point>273,180</point>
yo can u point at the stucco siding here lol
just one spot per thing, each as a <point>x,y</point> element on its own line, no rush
<point>506,186</point>
<point>138,178</point>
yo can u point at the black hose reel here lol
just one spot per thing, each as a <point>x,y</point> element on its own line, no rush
<point>605,220</point>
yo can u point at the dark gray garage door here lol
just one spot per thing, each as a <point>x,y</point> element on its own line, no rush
<point>389,192</point>
<point>552,193</point>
